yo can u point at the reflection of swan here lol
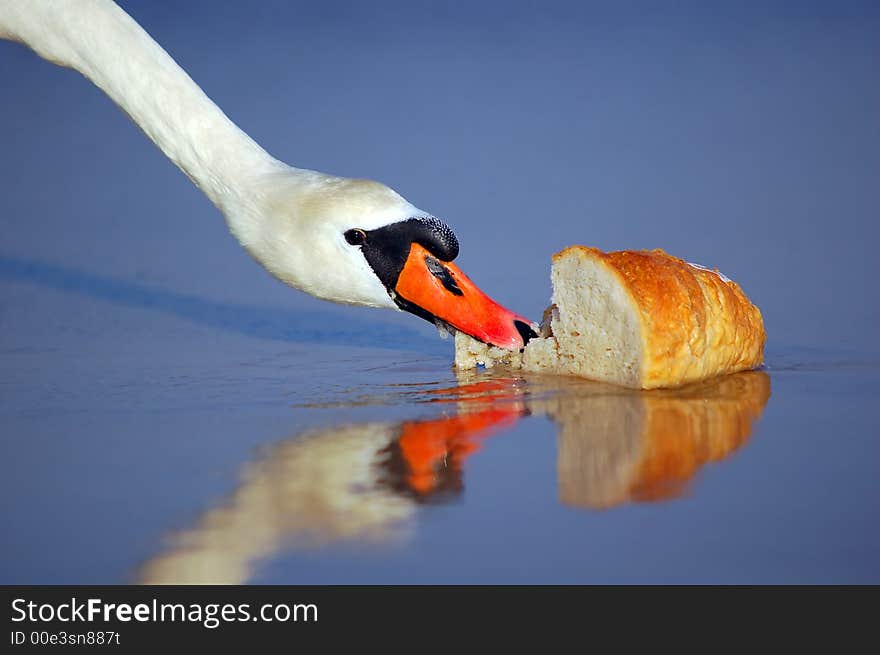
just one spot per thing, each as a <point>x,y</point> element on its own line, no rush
<point>319,486</point>
<point>344,483</point>
<point>343,240</point>
<point>364,482</point>
<point>617,446</point>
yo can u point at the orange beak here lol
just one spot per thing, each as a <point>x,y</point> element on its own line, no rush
<point>439,290</point>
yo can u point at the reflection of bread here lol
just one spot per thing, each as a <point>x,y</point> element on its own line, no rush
<point>620,446</point>
<point>639,319</point>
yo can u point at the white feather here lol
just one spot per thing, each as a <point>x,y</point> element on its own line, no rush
<point>291,220</point>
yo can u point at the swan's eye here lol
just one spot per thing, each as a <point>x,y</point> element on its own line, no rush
<point>355,237</point>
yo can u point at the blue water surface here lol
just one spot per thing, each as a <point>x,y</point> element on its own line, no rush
<point>170,413</point>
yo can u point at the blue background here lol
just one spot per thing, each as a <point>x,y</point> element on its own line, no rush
<point>145,355</point>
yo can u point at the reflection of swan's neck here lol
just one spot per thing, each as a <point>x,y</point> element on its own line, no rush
<point>318,488</point>
<point>98,39</point>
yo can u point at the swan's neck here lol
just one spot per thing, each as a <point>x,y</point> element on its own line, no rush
<point>98,39</point>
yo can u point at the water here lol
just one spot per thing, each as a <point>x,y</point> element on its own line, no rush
<point>170,413</point>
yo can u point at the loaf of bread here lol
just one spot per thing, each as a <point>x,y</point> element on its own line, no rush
<point>640,319</point>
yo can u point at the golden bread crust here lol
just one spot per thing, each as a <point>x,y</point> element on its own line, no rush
<point>695,323</point>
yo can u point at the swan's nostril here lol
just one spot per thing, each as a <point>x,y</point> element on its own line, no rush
<point>442,273</point>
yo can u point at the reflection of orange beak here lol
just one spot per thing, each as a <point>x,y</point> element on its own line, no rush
<point>441,290</point>
<point>450,439</point>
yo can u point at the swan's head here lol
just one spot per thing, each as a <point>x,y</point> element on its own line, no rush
<point>359,242</point>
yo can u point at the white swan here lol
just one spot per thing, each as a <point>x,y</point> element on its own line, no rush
<point>343,240</point>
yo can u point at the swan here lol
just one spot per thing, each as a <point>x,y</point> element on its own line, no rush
<point>344,240</point>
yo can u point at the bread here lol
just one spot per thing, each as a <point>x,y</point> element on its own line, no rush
<point>640,319</point>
